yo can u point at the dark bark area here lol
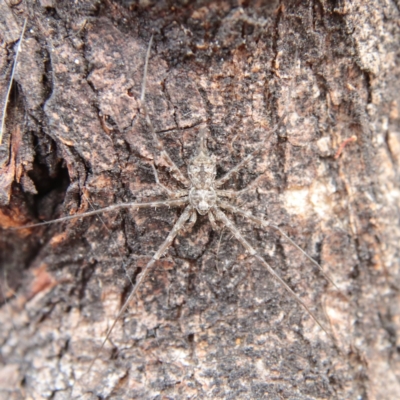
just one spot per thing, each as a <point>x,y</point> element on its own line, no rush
<point>209,322</point>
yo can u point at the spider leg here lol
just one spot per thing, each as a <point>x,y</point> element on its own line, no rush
<point>192,221</point>
<point>229,224</point>
<point>174,194</point>
<point>213,223</point>
<point>266,224</point>
<point>158,144</point>
<point>233,194</point>
<point>164,246</point>
<point>163,203</point>
<point>124,264</point>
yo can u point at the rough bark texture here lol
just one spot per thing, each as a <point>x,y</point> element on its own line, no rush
<point>210,322</point>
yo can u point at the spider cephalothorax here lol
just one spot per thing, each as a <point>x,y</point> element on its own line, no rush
<point>202,171</point>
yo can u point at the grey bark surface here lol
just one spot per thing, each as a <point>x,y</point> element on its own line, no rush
<point>209,322</point>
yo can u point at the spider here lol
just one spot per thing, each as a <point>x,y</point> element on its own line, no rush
<point>202,195</point>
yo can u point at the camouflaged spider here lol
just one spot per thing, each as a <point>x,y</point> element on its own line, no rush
<point>202,194</point>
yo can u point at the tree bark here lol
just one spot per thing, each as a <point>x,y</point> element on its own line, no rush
<point>209,322</point>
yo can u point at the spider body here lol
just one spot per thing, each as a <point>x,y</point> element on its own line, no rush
<point>202,171</point>
<point>202,194</point>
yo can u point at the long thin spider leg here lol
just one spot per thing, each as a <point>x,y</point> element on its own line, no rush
<point>233,194</point>
<point>164,246</point>
<point>213,223</point>
<point>157,142</point>
<point>266,224</point>
<point>113,240</point>
<point>229,224</point>
<point>192,220</point>
<point>163,203</point>
<point>326,276</point>
<point>260,146</point>
<point>174,194</point>
<point>3,118</point>
<point>218,247</point>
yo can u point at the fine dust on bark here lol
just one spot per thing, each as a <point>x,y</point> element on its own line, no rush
<point>209,322</point>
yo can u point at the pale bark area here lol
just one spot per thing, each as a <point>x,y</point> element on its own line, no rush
<point>210,322</point>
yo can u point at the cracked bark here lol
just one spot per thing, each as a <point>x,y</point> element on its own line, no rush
<point>209,322</point>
